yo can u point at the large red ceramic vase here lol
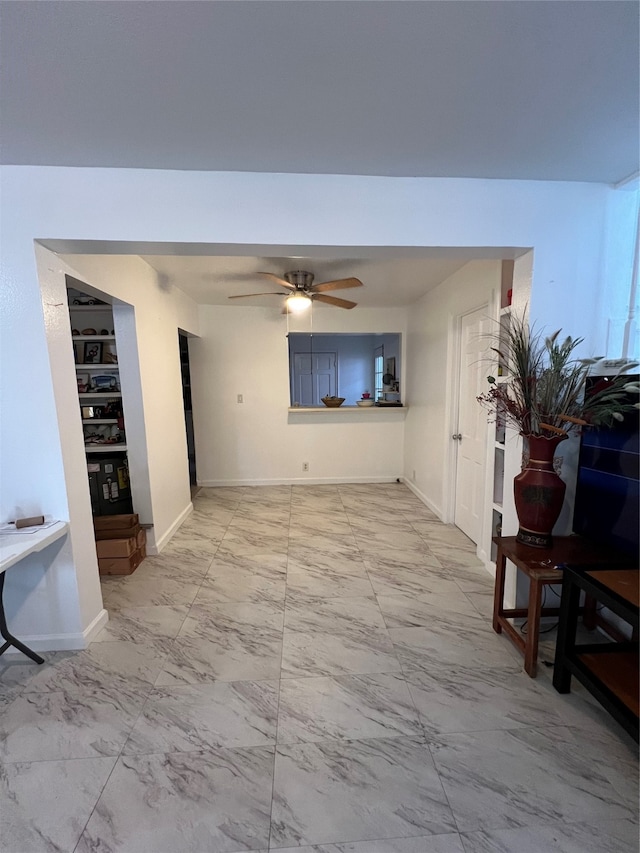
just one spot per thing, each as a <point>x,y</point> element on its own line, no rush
<point>539,493</point>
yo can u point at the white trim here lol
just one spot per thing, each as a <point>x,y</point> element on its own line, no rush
<point>452,407</point>
<point>299,481</point>
<point>96,626</point>
<point>152,550</point>
<point>480,551</point>
<point>425,500</point>
<point>64,642</point>
<point>486,528</point>
<point>486,560</point>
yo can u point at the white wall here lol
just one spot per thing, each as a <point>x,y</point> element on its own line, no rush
<point>244,351</point>
<point>619,302</point>
<point>60,605</point>
<point>147,317</point>
<point>430,360</point>
<point>566,224</point>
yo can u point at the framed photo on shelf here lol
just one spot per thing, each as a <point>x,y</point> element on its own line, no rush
<point>109,355</point>
<point>93,352</point>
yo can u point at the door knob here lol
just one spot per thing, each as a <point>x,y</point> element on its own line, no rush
<point>457,436</point>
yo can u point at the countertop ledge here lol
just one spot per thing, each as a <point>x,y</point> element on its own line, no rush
<point>332,410</point>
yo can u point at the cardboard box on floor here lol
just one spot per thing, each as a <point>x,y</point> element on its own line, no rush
<point>116,547</point>
<point>121,565</point>
<point>116,526</point>
<point>123,548</point>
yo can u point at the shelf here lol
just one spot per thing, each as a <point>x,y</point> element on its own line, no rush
<point>618,672</point>
<point>497,507</point>
<point>100,420</point>
<point>104,448</point>
<point>499,445</point>
<point>93,366</point>
<point>93,337</point>
<point>609,671</point>
<point>103,394</point>
<point>505,311</point>
<point>16,546</point>
<point>372,412</point>
<point>303,409</point>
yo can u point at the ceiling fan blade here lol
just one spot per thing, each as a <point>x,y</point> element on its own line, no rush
<point>244,295</point>
<point>333,300</point>
<point>338,284</point>
<point>278,280</point>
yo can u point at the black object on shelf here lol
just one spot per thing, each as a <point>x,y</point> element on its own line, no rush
<point>109,485</point>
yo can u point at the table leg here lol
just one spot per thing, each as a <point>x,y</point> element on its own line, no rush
<point>498,595</point>
<point>10,640</point>
<point>567,627</point>
<point>589,613</point>
<point>533,627</point>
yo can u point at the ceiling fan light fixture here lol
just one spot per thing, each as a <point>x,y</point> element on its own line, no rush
<point>298,302</point>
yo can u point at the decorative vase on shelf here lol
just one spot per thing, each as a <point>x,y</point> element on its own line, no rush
<point>539,492</point>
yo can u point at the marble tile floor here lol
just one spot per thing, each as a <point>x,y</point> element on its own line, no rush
<point>308,670</point>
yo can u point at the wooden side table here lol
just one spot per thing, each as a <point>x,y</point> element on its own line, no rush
<point>542,566</point>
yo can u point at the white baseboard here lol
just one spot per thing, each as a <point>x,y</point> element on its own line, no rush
<point>64,642</point>
<point>297,481</point>
<point>425,500</point>
<point>96,625</point>
<point>166,536</point>
<point>480,552</point>
<point>489,565</point>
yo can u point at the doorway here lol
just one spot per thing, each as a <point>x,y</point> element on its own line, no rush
<point>470,434</point>
<point>188,409</point>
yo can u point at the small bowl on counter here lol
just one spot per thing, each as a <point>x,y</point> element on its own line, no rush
<point>365,403</point>
<point>333,402</point>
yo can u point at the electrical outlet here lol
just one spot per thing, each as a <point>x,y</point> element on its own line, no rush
<point>305,466</point>
<point>240,398</point>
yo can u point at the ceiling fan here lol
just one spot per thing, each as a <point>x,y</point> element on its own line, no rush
<point>303,291</point>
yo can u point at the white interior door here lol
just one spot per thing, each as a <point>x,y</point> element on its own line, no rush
<point>471,432</point>
<point>314,377</point>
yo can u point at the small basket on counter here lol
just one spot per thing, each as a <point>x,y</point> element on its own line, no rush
<point>333,402</point>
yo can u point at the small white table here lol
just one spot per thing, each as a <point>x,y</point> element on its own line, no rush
<point>14,547</point>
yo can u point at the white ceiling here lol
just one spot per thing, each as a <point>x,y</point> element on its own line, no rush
<point>211,273</point>
<point>530,90</point>
<point>386,283</point>
<point>518,90</point>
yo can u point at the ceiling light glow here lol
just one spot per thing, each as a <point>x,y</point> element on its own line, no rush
<point>298,302</point>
